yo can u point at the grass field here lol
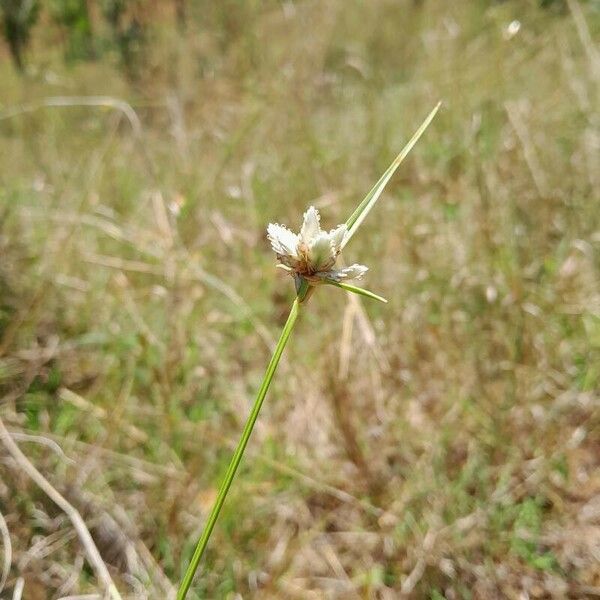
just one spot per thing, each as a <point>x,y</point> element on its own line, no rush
<point>445,445</point>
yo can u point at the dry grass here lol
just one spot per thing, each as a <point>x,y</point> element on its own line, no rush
<point>446,445</point>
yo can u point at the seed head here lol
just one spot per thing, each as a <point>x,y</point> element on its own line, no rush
<point>312,253</point>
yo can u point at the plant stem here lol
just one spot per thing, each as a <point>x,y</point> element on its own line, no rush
<point>239,451</point>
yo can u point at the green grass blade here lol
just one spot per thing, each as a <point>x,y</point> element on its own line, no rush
<point>239,452</point>
<point>357,290</point>
<point>363,209</point>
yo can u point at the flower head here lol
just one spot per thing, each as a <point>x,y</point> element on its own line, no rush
<point>312,253</point>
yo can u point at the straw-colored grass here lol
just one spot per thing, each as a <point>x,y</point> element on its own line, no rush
<point>444,445</point>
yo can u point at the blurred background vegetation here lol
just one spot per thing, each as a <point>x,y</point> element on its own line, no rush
<point>446,445</point>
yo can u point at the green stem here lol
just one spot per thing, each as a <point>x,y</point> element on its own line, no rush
<point>239,451</point>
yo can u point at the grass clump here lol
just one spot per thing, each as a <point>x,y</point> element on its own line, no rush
<point>135,266</point>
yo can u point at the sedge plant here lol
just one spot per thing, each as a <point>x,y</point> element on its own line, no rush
<point>310,258</point>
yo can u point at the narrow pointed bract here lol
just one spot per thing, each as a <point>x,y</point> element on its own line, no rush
<point>362,210</point>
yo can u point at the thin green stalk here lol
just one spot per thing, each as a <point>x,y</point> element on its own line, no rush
<point>239,451</point>
<point>303,291</point>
